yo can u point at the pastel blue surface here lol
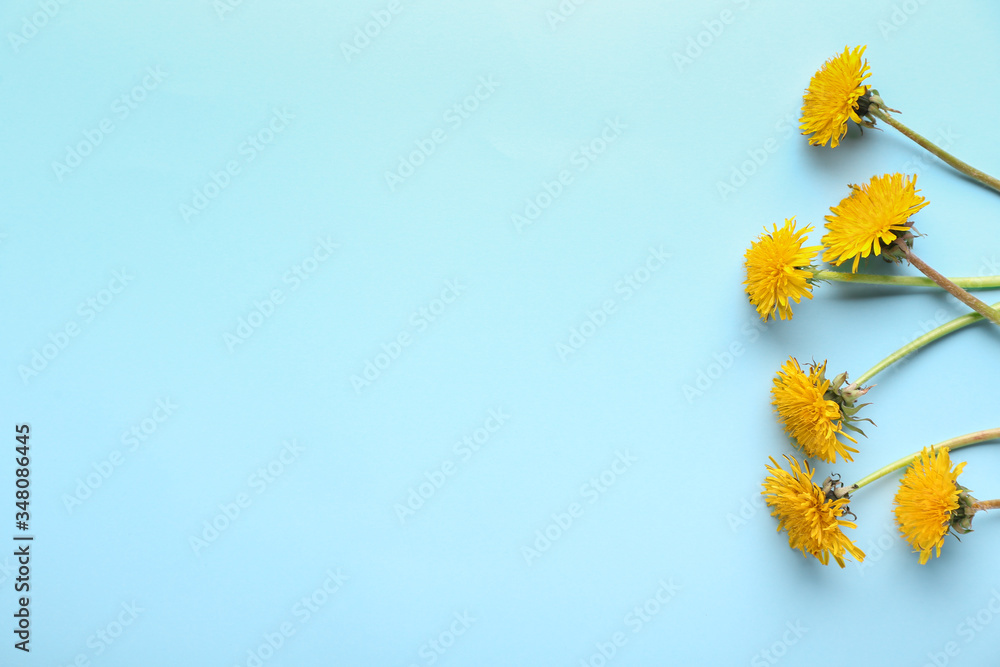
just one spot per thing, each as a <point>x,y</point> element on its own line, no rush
<point>412,333</point>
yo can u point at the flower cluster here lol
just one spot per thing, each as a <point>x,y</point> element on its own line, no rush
<point>871,220</point>
<point>819,414</point>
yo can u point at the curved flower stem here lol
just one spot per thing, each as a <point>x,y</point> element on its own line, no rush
<point>963,167</point>
<point>918,343</point>
<point>986,505</point>
<point>985,282</point>
<point>952,444</point>
<point>952,288</point>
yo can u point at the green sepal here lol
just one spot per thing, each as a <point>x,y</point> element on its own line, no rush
<point>961,518</point>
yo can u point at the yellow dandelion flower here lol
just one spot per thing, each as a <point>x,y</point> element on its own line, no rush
<point>869,220</point>
<point>777,268</point>
<point>928,500</point>
<point>809,417</point>
<point>809,514</point>
<point>833,97</point>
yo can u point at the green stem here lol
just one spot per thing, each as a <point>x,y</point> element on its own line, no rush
<point>952,444</point>
<point>963,167</point>
<point>985,282</point>
<point>918,343</point>
<point>953,289</point>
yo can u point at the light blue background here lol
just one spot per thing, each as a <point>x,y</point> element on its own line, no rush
<point>685,512</point>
